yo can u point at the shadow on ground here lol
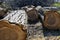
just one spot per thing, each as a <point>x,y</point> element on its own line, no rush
<point>49,32</point>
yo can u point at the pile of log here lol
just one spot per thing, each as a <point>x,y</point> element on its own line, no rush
<point>32,16</point>
<point>23,22</point>
<point>20,17</point>
<point>33,13</point>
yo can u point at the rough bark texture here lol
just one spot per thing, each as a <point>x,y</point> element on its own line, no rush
<point>17,16</point>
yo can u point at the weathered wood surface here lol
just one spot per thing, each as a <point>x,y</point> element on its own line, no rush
<point>17,16</point>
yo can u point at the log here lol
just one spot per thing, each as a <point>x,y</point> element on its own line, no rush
<point>52,20</point>
<point>10,31</point>
<point>17,16</point>
<point>32,14</point>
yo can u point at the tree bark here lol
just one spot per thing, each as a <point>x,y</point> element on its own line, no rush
<point>17,16</point>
